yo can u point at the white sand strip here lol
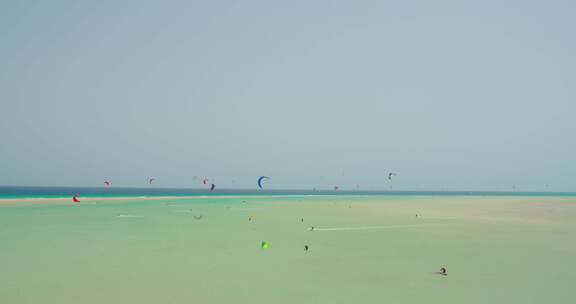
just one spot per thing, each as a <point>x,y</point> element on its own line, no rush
<point>129,216</point>
<point>371,227</point>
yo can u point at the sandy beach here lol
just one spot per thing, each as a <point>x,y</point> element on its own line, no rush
<point>361,249</point>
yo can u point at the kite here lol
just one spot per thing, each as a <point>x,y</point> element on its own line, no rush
<point>212,187</point>
<point>390,175</point>
<point>75,199</point>
<point>261,179</point>
<point>151,180</point>
<point>107,183</point>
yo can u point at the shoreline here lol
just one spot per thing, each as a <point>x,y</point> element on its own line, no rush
<point>91,199</point>
<point>134,198</point>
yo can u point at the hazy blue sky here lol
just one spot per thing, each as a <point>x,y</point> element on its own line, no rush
<point>449,94</point>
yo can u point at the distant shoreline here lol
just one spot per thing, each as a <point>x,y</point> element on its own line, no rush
<point>124,198</point>
<point>56,194</point>
<point>41,200</point>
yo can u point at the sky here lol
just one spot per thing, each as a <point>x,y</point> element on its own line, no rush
<point>450,95</point>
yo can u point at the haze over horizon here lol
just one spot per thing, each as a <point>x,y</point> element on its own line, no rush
<point>449,95</point>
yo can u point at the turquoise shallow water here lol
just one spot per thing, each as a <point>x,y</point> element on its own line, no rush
<point>370,249</point>
<point>10,192</point>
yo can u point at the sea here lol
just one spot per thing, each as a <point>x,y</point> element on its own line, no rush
<point>22,192</point>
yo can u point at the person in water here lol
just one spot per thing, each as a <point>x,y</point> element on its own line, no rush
<point>443,271</point>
